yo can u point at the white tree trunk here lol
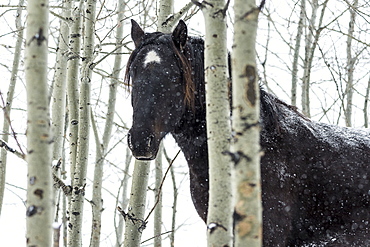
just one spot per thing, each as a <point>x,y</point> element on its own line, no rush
<point>245,147</point>
<point>39,186</point>
<point>60,79</point>
<point>58,109</point>
<point>135,216</point>
<point>73,81</point>
<point>101,148</point>
<point>164,11</point>
<point>309,53</point>
<point>79,176</point>
<point>219,220</point>
<point>122,199</point>
<point>297,46</point>
<point>350,64</point>
<point>9,99</point>
<point>158,196</point>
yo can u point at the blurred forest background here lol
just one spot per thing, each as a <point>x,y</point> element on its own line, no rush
<point>311,54</point>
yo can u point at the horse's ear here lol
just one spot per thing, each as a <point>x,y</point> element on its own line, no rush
<point>137,33</point>
<point>180,34</point>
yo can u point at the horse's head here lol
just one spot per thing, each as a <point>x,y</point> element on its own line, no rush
<point>161,80</point>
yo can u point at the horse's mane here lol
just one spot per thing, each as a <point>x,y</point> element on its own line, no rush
<point>273,111</point>
<point>194,53</point>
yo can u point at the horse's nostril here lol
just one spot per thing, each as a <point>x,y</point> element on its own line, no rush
<point>150,140</point>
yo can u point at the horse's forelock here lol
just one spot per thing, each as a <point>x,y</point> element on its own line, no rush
<point>183,57</point>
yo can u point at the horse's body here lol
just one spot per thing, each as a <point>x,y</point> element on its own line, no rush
<point>315,177</point>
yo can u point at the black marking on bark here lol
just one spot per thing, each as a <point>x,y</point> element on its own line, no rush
<point>39,193</point>
<point>31,211</point>
<point>131,217</point>
<point>238,217</point>
<point>247,126</point>
<point>74,122</point>
<point>222,11</point>
<point>259,9</point>
<point>214,225</point>
<point>39,37</point>
<point>75,35</point>
<point>250,73</point>
<point>237,157</point>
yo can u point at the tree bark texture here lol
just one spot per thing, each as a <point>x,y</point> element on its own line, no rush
<point>73,80</point>
<point>39,186</point>
<point>164,11</point>
<point>350,64</point>
<point>310,48</point>
<point>297,46</point>
<point>102,147</point>
<point>158,196</point>
<point>79,176</point>
<point>58,108</point>
<point>122,199</point>
<point>60,79</point>
<point>219,221</point>
<point>309,51</point>
<point>135,223</point>
<point>245,147</point>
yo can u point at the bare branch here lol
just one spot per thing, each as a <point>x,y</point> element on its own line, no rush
<point>5,146</point>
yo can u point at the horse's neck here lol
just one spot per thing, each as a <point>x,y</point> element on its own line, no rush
<point>191,136</point>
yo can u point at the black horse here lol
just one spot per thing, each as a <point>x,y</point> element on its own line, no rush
<point>315,176</point>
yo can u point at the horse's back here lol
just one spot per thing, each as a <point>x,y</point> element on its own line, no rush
<point>315,183</point>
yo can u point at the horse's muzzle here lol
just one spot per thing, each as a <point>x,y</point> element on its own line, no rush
<point>143,144</point>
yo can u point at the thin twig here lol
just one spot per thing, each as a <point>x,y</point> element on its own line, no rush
<point>156,236</point>
<point>160,187</point>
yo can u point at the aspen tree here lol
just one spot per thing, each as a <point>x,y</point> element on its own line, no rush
<point>58,113</point>
<point>135,223</point>
<point>219,220</point>
<point>60,82</point>
<point>74,57</point>
<point>122,199</point>
<point>297,46</point>
<point>9,98</point>
<point>309,51</point>
<point>350,64</point>
<point>245,148</point>
<point>102,146</point>
<point>39,186</point>
<point>312,40</point>
<point>79,175</point>
<point>158,196</point>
